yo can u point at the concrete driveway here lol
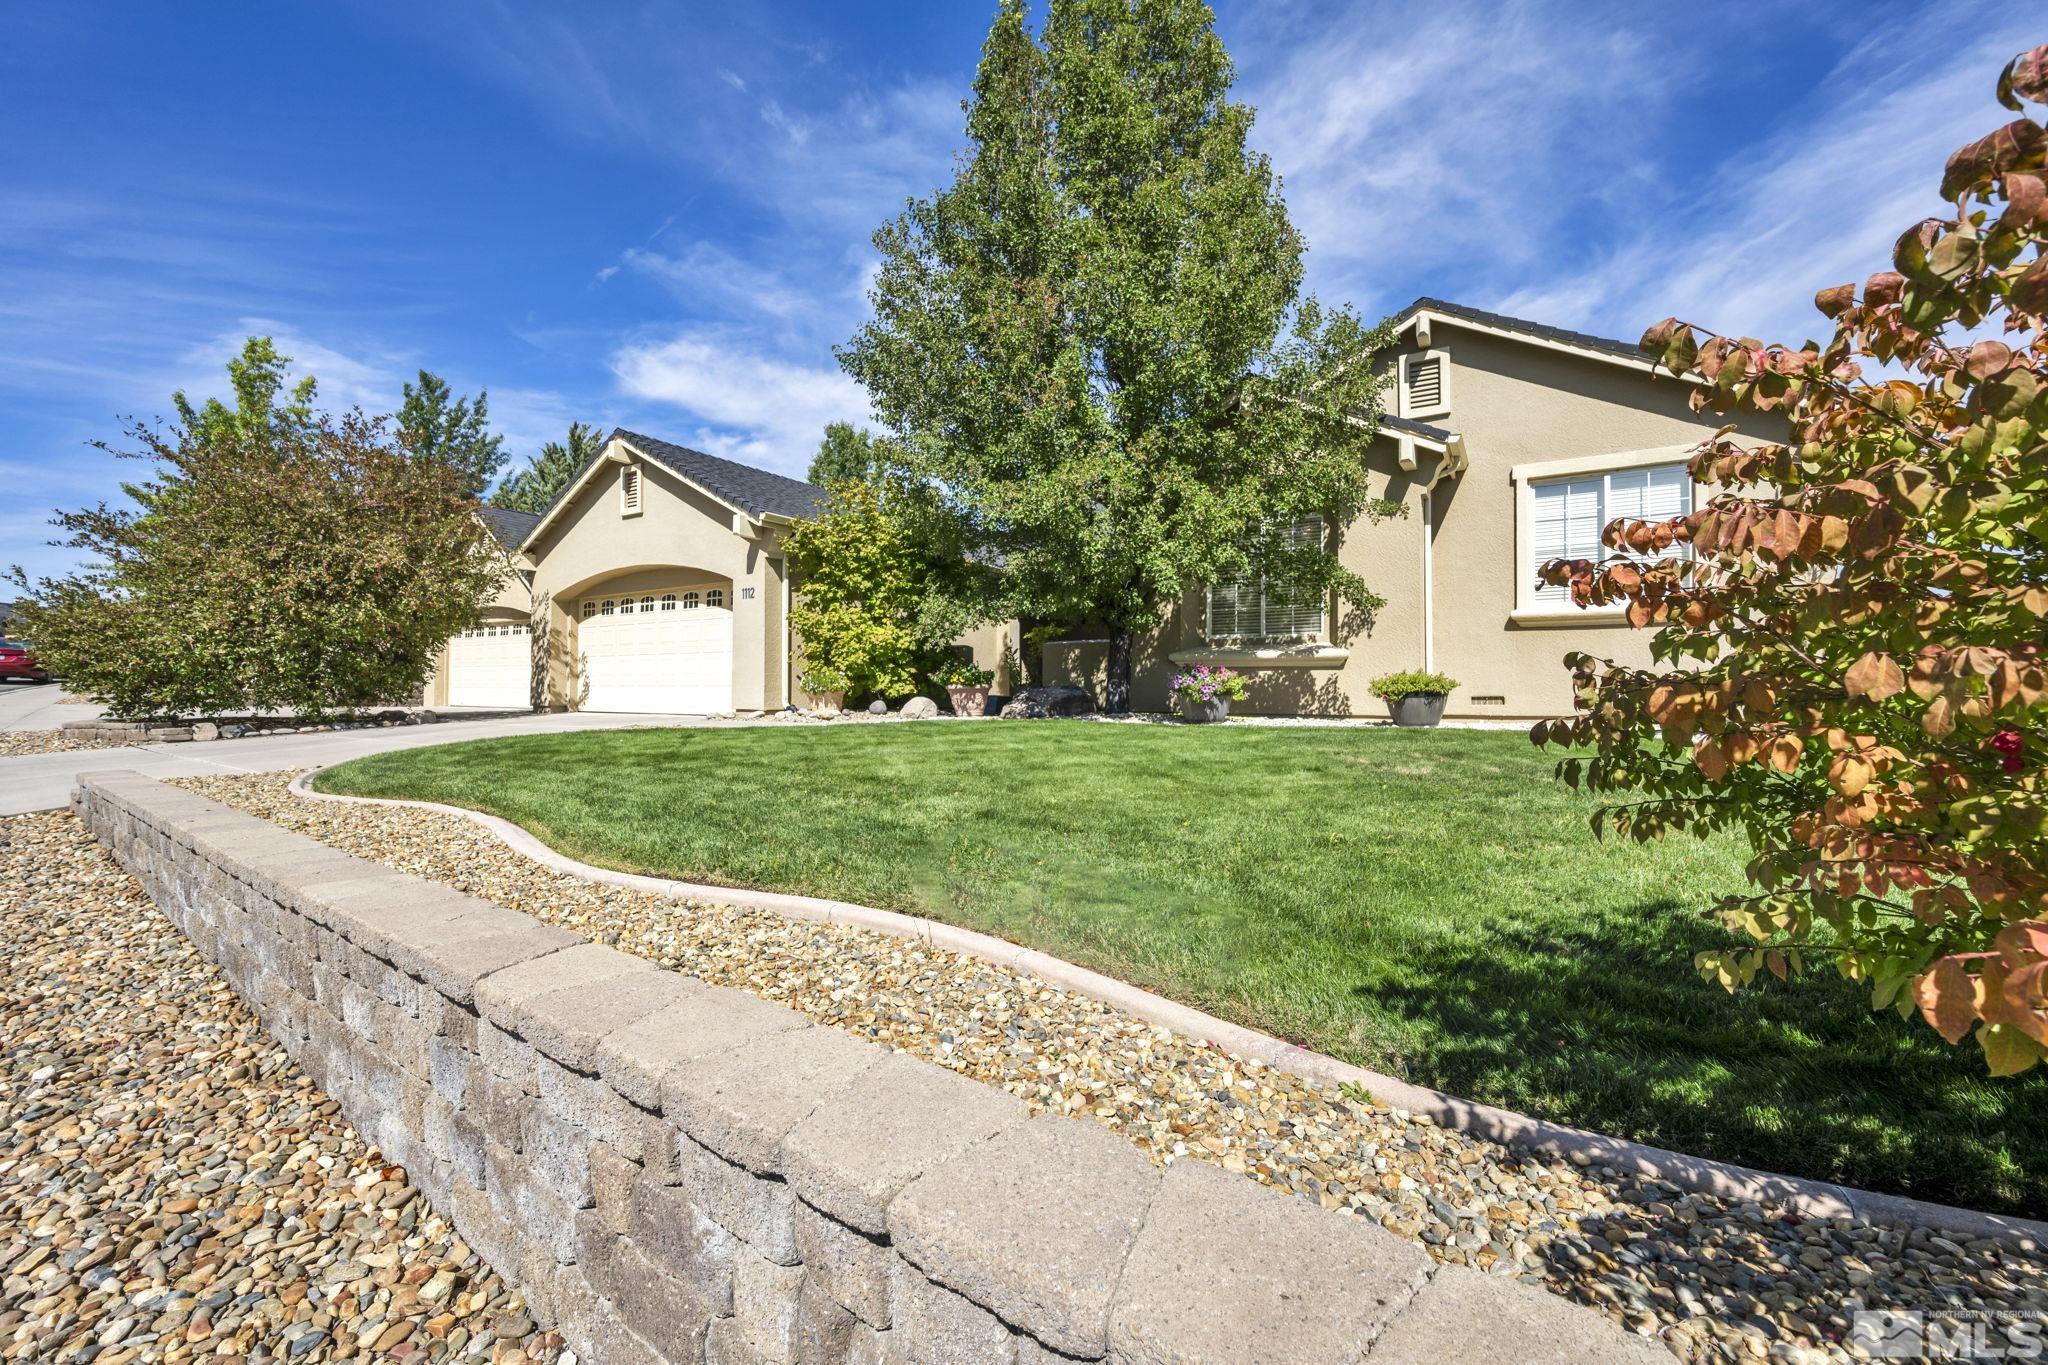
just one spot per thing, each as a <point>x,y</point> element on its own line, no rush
<point>40,706</point>
<point>44,781</point>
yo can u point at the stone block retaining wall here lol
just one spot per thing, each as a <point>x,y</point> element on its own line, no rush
<point>676,1172</point>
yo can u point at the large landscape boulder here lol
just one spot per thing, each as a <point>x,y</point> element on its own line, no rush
<point>1040,703</point>
<point>920,708</point>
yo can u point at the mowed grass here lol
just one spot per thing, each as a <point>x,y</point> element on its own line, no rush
<point>1427,903</point>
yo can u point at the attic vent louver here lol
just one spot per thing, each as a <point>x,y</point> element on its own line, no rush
<point>629,489</point>
<point>1425,384</point>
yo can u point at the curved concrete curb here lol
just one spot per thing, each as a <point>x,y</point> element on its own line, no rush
<point>1808,1198</point>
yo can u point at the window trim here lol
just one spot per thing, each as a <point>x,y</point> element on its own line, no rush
<point>1264,643</point>
<point>1527,610</point>
<point>1442,407</point>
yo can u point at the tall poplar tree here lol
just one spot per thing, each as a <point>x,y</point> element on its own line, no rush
<point>1093,347</point>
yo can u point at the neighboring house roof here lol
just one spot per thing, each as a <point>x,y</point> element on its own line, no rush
<point>509,527</point>
<point>756,491</point>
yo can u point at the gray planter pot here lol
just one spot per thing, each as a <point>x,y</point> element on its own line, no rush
<point>1418,708</point>
<point>1206,712</point>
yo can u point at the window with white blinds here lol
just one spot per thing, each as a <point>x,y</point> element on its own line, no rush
<point>1254,609</point>
<point>1568,515</point>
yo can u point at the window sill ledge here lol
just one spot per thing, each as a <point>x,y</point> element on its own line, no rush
<point>1550,618</point>
<point>1269,656</point>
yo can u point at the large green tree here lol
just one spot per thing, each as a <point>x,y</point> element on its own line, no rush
<point>850,454</point>
<point>257,375</point>
<point>274,557</point>
<point>1093,347</point>
<point>435,426</point>
<point>536,486</point>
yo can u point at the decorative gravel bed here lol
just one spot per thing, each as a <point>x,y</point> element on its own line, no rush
<point>172,1187</point>
<point>1718,1281</point>
<point>19,743</point>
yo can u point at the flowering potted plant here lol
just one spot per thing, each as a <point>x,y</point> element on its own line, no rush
<point>1414,697</point>
<point>824,688</point>
<point>966,686</point>
<point>1205,693</point>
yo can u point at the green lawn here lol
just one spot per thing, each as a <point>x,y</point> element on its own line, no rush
<point>1427,903</point>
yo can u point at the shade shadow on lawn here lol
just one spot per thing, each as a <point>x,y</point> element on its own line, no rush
<point>1425,903</point>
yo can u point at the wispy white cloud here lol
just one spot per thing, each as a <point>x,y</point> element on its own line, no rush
<point>1810,205</point>
<point>744,405</point>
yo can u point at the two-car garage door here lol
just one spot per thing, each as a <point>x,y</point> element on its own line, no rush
<point>658,656</point>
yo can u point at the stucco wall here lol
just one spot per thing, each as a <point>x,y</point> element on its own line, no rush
<point>674,1172</point>
<point>1518,404</point>
<point>680,537</point>
<point>1514,404</point>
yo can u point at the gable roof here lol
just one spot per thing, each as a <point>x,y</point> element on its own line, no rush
<point>753,493</point>
<point>757,492</point>
<point>1609,349</point>
<point>510,528</point>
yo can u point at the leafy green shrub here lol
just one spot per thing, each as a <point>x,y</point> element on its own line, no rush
<point>821,678</point>
<point>1850,658</point>
<point>958,671</point>
<point>870,602</point>
<point>306,565</point>
<point>1394,686</point>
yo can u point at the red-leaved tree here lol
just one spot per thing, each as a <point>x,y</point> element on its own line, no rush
<point>1849,658</point>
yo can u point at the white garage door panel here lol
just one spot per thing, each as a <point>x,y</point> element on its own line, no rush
<point>679,661</point>
<point>491,666</point>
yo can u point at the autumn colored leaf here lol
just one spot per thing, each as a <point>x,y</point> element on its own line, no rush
<point>1947,996</point>
<point>1875,676</point>
<point>1881,548</point>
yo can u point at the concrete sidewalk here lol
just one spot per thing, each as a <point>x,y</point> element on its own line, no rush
<point>41,706</point>
<point>44,781</point>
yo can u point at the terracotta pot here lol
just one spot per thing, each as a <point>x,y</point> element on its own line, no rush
<point>1208,712</point>
<point>968,701</point>
<point>824,701</point>
<point>1417,708</point>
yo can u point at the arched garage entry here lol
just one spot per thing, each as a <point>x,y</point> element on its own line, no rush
<point>655,640</point>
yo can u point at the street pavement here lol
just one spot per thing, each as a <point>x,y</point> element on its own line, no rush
<point>44,781</point>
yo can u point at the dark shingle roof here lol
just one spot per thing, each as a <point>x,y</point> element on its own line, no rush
<point>1411,427</point>
<point>1546,332</point>
<point>756,491</point>
<point>511,528</point>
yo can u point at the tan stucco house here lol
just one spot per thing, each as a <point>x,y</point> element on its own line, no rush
<point>655,582</point>
<point>1507,443</point>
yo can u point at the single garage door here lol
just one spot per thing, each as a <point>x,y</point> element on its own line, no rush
<point>658,654</point>
<point>491,666</point>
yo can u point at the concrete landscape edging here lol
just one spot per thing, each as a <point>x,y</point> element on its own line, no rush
<point>670,1171</point>
<point>1808,1198</point>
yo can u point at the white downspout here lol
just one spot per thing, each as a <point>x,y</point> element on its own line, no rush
<point>1428,586</point>
<point>1452,461</point>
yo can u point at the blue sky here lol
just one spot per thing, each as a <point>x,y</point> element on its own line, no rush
<point>657,215</point>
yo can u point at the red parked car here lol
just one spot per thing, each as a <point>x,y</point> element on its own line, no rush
<point>17,662</point>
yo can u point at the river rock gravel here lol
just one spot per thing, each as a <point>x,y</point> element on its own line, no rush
<point>172,1187</point>
<point>1716,1280</point>
<point>21,743</point>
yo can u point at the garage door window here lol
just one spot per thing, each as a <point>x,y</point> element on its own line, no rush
<point>668,601</point>
<point>690,601</point>
<point>715,598</point>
